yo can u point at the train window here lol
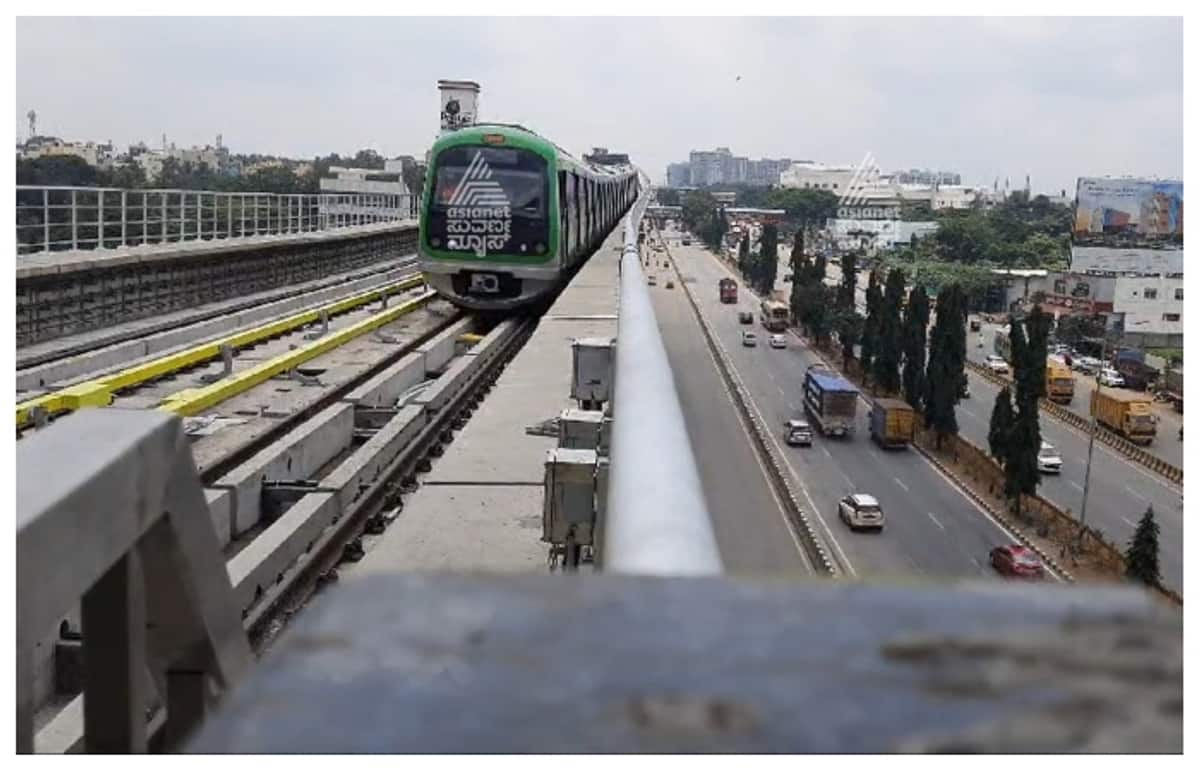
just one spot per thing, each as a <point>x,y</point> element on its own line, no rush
<point>577,210</point>
<point>564,217</point>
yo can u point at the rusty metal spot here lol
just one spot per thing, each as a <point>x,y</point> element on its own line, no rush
<point>692,715</point>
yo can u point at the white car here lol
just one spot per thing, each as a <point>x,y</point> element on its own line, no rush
<point>860,511</point>
<point>1087,364</point>
<point>777,341</point>
<point>1111,378</point>
<point>996,364</point>
<point>1048,460</point>
<point>749,339</point>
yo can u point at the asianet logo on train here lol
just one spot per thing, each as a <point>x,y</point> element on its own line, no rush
<point>479,217</point>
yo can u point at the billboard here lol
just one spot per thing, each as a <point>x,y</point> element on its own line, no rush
<point>1128,212</point>
<point>1100,259</point>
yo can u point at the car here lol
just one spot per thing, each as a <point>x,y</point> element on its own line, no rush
<point>996,364</point>
<point>745,317</point>
<point>1111,378</point>
<point>686,242</point>
<point>861,511</point>
<point>749,339</point>
<point>1048,459</point>
<point>777,341</point>
<point>964,391</point>
<point>797,432</point>
<point>1087,364</point>
<point>1017,561</point>
<point>670,284</point>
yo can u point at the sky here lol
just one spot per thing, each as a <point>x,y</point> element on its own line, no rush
<point>1054,98</point>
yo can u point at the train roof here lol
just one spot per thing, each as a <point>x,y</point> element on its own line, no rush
<point>532,140</point>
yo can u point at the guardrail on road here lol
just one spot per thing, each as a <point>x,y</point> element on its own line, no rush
<point>1117,442</point>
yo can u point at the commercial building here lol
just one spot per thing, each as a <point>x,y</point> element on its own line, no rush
<point>95,154</point>
<point>365,191</point>
<point>873,235</point>
<point>721,167</point>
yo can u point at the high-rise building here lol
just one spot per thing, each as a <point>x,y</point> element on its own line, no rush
<point>721,167</point>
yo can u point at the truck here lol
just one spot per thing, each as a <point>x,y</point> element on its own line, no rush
<point>1060,383</point>
<point>830,401</point>
<point>1126,413</point>
<point>892,422</point>
<point>728,289</point>
<point>1131,363</point>
<point>1172,387</point>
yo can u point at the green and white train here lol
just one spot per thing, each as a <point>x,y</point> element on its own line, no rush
<point>508,216</point>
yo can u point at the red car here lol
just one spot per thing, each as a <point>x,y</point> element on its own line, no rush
<point>1018,561</point>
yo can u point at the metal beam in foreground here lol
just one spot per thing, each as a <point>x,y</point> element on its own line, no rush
<point>111,519</point>
<point>657,521</point>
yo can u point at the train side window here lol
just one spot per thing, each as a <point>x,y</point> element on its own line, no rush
<point>577,208</point>
<point>563,214</point>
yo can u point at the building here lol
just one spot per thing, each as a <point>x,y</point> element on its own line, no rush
<point>705,168</point>
<point>601,156</point>
<point>926,177</point>
<point>100,155</point>
<point>873,235</point>
<point>382,190</point>
<point>679,175</point>
<point>835,179</point>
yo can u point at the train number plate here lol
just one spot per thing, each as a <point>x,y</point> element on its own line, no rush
<point>484,283</point>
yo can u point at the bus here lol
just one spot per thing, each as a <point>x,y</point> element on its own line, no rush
<point>728,288</point>
<point>774,315</point>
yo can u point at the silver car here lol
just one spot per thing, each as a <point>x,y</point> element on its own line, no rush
<point>861,511</point>
<point>1048,459</point>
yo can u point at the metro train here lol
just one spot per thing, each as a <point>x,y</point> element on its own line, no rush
<point>507,216</point>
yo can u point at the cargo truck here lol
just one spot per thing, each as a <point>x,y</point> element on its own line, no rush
<point>1125,413</point>
<point>1172,385</point>
<point>1132,365</point>
<point>830,402</point>
<point>892,422</point>
<point>1060,383</point>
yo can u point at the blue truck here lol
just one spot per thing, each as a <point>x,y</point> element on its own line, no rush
<point>830,401</point>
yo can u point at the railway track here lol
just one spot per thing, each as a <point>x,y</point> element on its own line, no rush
<point>312,524</point>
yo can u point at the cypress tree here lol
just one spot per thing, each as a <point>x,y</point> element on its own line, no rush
<point>1001,425</point>
<point>1024,441</point>
<point>886,367</point>
<point>849,265</point>
<point>944,372</point>
<point>870,332</point>
<point>769,252</point>
<point>849,326</point>
<point>1141,558</point>
<point>916,318</point>
<point>744,258</point>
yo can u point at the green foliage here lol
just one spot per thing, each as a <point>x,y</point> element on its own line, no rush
<point>1000,425</point>
<point>848,324</point>
<point>768,260</point>
<point>846,290</point>
<point>870,333</point>
<point>807,207</point>
<point>1028,341</point>
<point>1141,557</point>
<point>667,196</point>
<point>886,365</point>
<point>744,256</point>
<point>947,359</point>
<point>916,319</point>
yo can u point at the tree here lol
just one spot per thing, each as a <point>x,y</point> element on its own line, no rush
<point>744,257</point>
<point>870,332</point>
<point>848,324</point>
<point>916,319</point>
<point>1141,558</point>
<point>947,356</point>
<point>769,258</point>
<point>1001,425</point>
<point>820,317</point>
<point>886,366</point>
<point>1024,440</point>
<point>846,290</point>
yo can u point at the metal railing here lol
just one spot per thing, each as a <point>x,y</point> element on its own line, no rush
<point>51,219</point>
<point>657,521</point>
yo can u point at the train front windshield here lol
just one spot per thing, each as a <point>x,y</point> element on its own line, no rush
<point>489,200</point>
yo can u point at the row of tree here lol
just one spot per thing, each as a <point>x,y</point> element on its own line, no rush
<point>74,171</point>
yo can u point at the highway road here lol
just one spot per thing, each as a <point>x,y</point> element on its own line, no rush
<point>1119,490</point>
<point>932,528</point>
<point>751,528</point>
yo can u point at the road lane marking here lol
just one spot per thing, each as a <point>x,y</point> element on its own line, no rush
<point>826,451</point>
<point>935,520</point>
<point>1075,484</point>
<point>901,483</point>
<point>1136,494</point>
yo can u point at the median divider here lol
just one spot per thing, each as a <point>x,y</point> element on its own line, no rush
<point>1122,445</point>
<point>815,549</point>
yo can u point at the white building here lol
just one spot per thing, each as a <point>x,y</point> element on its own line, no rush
<point>1150,308</point>
<point>95,154</point>
<point>368,192</point>
<point>835,179</point>
<point>873,235</point>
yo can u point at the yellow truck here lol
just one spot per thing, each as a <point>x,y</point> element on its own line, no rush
<point>892,422</point>
<point>1128,414</point>
<point>1060,383</point>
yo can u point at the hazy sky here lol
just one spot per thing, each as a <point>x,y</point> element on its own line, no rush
<point>1054,98</point>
